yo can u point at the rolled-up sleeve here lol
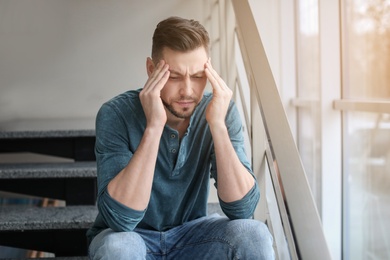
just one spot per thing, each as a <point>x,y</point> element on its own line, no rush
<point>245,207</point>
<point>118,216</point>
<point>112,155</point>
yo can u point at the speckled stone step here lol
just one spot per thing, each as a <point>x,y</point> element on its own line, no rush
<point>22,218</point>
<point>47,128</point>
<point>48,170</point>
<point>73,182</point>
<point>51,258</point>
<point>214,208</point>
<point>72,138</point>
<point>59,230</point>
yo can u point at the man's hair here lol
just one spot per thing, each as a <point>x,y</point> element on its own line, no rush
<point>179,34</point>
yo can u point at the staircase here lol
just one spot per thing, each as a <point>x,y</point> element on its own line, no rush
<point>69,178</point>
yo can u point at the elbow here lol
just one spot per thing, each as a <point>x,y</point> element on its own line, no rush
<point>244,208</point>
<point>117,216</point>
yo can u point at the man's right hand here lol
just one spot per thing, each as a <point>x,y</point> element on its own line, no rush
<point>150,96</point>
<point>132,186</point>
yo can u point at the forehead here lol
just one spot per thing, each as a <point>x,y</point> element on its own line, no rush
<point>189,61</point>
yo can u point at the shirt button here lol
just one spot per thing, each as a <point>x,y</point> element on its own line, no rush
<point>173,150</point>
<point>173,136</point>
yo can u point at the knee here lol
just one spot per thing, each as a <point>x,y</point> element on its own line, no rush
<point>253,240</point>
<point>118,245</point>
<point>123,241</point>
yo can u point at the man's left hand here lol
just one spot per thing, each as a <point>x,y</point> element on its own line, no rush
<point>222,94</point>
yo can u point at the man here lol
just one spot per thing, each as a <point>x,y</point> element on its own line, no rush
<point>156,148</point>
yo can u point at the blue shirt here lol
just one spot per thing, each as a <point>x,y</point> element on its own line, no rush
<point>183,168</point>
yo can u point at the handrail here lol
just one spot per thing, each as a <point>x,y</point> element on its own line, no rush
<point>373,106</point>
<point>376,106</point>
<point>304,219</point>
<point>245,111</point>
<point>281,207</point>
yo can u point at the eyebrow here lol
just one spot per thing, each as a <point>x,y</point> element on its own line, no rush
<point>178,73</point>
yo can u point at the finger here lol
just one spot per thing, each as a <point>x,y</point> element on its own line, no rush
<point>214,75</point>
<point>159,76</point>
<point>159,71</point>
<point>161,84</point>
<point>216,81</point>
<point>212,79</point>
<point>210,75</point>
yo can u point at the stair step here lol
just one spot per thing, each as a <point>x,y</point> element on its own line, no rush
<point>51,258</point>
<point>60,230</point>
<point>72,138</point>
<point>73,182</point>
<point>214,207</point>
<point>48,170</point>
<point>22,218</point>
<point>62,258</point>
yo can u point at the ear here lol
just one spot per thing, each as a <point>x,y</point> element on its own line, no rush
<point>149,66</point>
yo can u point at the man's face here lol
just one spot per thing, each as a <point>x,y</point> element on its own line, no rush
<point>186,83</point>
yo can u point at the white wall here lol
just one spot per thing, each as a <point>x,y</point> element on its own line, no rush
<point>63,59</point>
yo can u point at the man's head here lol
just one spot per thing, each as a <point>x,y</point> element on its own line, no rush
<point>179,34</point>
<point>184,45</point>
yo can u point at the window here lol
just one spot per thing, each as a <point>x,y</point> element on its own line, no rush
<point>308,91</point>
<point>366,75</point>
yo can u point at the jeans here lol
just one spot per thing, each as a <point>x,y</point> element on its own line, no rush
<point>211,237</point>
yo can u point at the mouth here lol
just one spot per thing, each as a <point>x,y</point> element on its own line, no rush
<point>185,103</point>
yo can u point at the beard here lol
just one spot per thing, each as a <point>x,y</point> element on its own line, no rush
<point>185,112</point>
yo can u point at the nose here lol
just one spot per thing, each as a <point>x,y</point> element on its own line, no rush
<point>186,87</point>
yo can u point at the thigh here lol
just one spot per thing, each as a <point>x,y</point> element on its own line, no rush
<point>204,238</point>
<point>109,244</point>
<point>192,240</point>
<point>218,237</point>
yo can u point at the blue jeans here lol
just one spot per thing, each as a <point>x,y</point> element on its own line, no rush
<point>211,237</point>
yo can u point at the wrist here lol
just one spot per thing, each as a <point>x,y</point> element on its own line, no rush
<point>155,130</point>
<point>217,128</point>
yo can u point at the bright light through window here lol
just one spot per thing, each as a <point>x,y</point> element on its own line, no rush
<point>366,75</point>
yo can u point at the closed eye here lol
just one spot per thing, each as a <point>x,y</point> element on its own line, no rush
<point>198,76</point>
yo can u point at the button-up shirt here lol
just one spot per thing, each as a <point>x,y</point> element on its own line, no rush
<point>183,169</point>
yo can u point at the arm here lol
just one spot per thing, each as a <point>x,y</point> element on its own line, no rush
<point>245,207</point>
<point>132,186</point>
<point>125,178</point>
<point>234,180</point>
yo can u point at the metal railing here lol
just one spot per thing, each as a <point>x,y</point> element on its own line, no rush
<point>288,208</point>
